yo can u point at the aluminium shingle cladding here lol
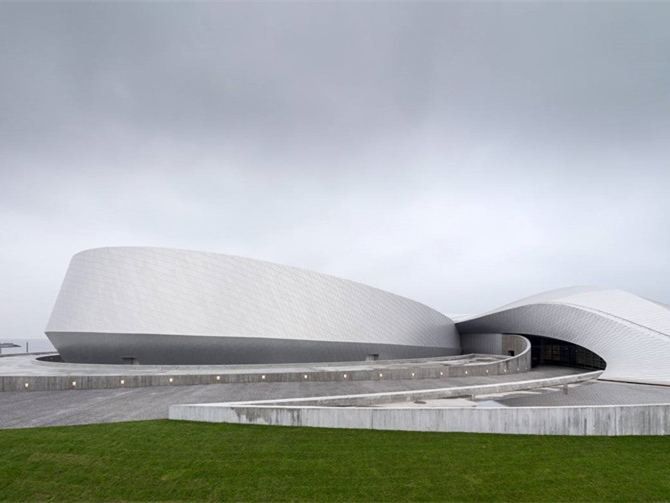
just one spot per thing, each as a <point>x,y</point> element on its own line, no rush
<point>630,333</point>
<point>166,291</point>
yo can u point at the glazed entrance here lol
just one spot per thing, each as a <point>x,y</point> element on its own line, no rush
<point>548,351</point>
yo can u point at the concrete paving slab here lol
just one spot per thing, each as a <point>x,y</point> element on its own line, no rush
<point>53,408</point>
<point>29,374</point>
<point>589,393</point>
<point>29,365</point>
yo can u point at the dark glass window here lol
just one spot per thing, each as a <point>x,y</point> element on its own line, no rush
<point>548,351</point>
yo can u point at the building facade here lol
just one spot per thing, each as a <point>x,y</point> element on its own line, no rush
<point>165,306</point>
<point>624,334</point>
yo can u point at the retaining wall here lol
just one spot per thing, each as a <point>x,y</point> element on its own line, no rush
<point>606,420</point>
<point>470,392</point>
<point>592,420</point>
<point>120,376</point>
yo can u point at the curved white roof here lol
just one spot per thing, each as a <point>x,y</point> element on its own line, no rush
<point>619,303</point>
<point>165,291</point>
<point>630,333</point>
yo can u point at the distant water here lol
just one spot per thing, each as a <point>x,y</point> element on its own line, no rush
<point>34,345</point>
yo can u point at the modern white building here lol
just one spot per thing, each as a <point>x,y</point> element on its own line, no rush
<point>588,326</point>
<point>164,306</point>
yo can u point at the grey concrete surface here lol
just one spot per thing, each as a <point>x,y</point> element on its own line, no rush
<point>28,374</point>
<point>29,365</point>
<point>24,410</point>
<point>400,398</point>
<point>599,420</point>
<point>589,393</point>
<point>562,405</point>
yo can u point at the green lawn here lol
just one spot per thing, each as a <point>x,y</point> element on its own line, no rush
<point>167,461</point>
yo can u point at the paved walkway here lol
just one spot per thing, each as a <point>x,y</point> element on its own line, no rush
<point>28,365</point>
<point>589,393</point>
<point>52,408</point>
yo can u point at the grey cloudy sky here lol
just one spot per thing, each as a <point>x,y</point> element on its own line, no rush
<point>463,155</point>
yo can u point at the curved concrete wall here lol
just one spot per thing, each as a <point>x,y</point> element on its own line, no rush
<point>600,420</point>
<point>165,306</point>
<point>630,333</point>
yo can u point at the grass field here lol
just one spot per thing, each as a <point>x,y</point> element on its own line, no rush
<point>168,461</point>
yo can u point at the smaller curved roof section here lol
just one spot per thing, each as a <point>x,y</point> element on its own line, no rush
<point>618,303</point>
<point>631,333</point>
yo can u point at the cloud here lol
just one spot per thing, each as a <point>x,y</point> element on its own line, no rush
<point>460,154</point>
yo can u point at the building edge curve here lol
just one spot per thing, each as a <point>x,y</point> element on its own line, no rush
<point>168,306</point>
<point>631,334</point>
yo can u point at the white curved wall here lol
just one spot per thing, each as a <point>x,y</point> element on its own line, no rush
<point>630,333</point>
<point>177,306</point>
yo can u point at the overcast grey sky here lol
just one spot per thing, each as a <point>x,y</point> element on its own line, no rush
<point>463,155</point>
